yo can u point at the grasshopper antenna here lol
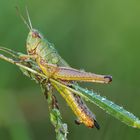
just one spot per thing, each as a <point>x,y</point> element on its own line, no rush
<point>23,19</point>
<point>28,16</point>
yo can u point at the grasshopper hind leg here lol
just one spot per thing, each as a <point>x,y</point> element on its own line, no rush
<point>96,124</point>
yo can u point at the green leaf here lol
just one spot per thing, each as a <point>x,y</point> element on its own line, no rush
<point>111,108</point>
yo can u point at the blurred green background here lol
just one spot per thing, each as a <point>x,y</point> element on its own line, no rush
<point>101,36</point>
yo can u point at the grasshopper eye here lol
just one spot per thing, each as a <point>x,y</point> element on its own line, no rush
<point>35,35</point>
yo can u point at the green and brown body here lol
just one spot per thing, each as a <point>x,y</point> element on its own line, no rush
<point>53,66</point>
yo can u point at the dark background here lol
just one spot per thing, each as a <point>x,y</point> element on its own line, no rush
<point>101,36</point>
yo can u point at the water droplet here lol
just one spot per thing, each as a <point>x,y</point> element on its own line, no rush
<point>86,90</point>
<point>111,103</point>
<point>103,99</point>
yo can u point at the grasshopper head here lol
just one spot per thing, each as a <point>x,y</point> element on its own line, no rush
<point>34,36</point>
<point>33,40</point>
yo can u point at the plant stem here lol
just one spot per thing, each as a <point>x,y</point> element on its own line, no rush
<point>55,115</point>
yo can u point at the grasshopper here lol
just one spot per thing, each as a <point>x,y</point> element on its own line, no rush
<point>53,66</point>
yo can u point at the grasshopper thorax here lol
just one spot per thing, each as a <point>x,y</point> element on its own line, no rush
<point>33,40</point>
